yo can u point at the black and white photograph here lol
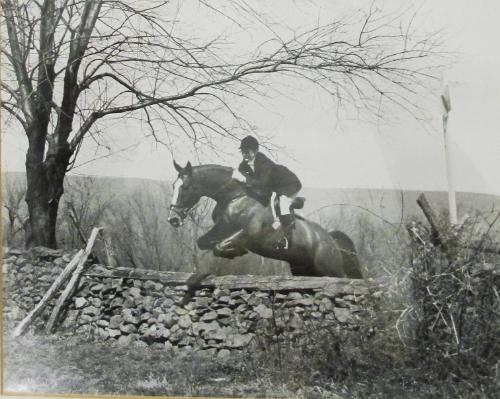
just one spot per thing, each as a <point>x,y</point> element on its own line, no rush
<point>250,198</point>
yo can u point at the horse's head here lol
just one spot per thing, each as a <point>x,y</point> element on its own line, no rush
<point>186,194</point>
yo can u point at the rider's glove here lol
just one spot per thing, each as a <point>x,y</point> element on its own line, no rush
<point>238,176</point>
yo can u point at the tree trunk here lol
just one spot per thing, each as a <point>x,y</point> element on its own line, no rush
<point>44,189</point>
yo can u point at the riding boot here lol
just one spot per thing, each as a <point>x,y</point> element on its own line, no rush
<point>287,224</point>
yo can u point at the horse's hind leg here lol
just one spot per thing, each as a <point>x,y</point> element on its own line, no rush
<point>352,267</point>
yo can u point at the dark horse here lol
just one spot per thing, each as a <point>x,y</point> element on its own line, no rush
<point>242,223</point>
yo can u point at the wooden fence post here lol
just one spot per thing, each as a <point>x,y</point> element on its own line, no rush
<point>68,291</point>
<point>49,294</point>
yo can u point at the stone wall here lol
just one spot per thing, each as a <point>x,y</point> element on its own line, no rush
<point>184,310</point>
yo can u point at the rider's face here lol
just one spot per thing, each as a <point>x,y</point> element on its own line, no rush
<point>248,155</point>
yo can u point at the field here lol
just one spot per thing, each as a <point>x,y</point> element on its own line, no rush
<point>413,349</point>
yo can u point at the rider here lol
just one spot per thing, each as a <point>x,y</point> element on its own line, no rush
<point>265,176</point>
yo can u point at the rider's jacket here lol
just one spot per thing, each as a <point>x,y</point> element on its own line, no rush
<point>268,177</point>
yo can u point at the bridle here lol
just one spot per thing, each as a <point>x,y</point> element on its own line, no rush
<point>183,212</point>
<point>180,210</point>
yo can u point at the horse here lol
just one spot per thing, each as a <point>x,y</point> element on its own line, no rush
<point>243,223</point>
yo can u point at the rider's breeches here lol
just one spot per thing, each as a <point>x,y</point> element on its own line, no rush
<point>285,204</point>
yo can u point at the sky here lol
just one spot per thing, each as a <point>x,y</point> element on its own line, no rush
<point>328,151</point>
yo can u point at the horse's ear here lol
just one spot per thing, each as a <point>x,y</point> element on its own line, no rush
<point>177,167</point>
<point>188,169</point>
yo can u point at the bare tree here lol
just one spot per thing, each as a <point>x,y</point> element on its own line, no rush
<point>13,195</point>
<point>71,67</point>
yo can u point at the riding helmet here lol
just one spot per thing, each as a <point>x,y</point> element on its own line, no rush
<point>249,143</point>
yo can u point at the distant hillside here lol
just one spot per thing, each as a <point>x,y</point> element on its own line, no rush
<point>391,205</point>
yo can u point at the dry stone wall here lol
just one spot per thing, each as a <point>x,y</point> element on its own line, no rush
<point>214,315</point>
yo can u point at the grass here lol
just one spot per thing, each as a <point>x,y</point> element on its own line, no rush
<point>68,365</point>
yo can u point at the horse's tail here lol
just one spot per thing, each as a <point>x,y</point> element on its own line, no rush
<point>352,266</point>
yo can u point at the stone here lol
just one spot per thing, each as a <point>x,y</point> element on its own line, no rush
<point>95,302</point>
<point>126,340</point>
<point>208,353</point>
<point>224,354</point>
<point>134,292</point>
<point>168,346</point>
<point>294,296</point>
<point>224,312</point>
<point>263,311</point>
<point>91,310</point>
<point>113,333</point>
<point>80,302</point>
<point>145,316</point>
<point>167,319</point>
<point>325,305</point>
<point>200,327</point>
<point>342,315</point>
<point>128,328</point>
<point>96,287</point>
<point>115,321</point>
<point>180,311</point>
<point>130,316</point>
<point>306,302</point>
<point>84,319</point>
<point>238,340</point>
<point>202,302</point>
<point>102,323</point>
<point>184,322</point>
<point>209,316</point>
<point>116,302</point>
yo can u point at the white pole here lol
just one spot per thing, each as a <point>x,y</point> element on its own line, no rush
<point>452,202</point>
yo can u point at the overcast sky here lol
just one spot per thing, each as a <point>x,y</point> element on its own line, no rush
<point>327,152</point>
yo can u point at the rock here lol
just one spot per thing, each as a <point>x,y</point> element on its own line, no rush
<point>220,334</point>
<point>342,315</point>
<point>96,287</point>
<point>113,333</point>
<point>128,328</point>
<point>167,319</point>
<point>91,310</point>
<point>180,311</point>
<point>263,311</point>
<point>145,316</point>
<point>200,327</point>
<point>325,305</point>
<point>306,302</point>
<point>341,302</point>
<point>238,340</point>
<point>102,323</point>
<point>130,316</point>
<point>203,302</point>
<point>209,316</point>
<point>134,292</point>
<point>115,321</point>
<point>116,302</point>
<point>208,353</point>
<point>224,354</point>
<point>148,302</point>
<point>184,322</point>
<point>168,346</point>
<point>224,312</point>
<point>84,319</point>
<point>80,302</point>
<point>126,340</point>
<point>294,296</point>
